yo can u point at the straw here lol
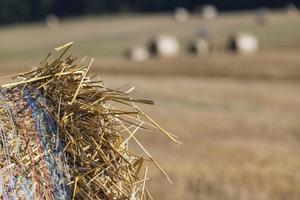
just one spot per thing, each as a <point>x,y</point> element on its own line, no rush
<point>75,144</point>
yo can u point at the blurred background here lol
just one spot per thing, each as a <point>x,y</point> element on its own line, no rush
<point>225,76</point>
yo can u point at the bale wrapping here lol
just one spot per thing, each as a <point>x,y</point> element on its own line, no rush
<point>62,139</point>
<point>33,163</point>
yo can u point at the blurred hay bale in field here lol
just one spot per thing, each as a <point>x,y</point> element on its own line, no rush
<point>137,54</point>
<point>181,14</point>
<point>164,46</point>
<point>208,12</point>
<point>200,47</point>
<point>261,17</point>
<point>243,43</point>
<point>292,9</point>
<point>52,21</point>
<point>202,31</point>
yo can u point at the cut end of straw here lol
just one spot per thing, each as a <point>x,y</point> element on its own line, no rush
<point>67,45</point>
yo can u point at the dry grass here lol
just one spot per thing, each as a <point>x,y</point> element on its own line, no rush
<point>240,138</point>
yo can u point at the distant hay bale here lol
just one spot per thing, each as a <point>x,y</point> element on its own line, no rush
<point>164,46</point>
<point>200,47</point>
<point>137,54</point>
<point>243,43</point>
<point>261,17</point>
<point>61,138</point>
<point>202,31</point>
<point>209,12</point>
<point>181,15</point>
<point>292,9</point>
<point>52,21</point>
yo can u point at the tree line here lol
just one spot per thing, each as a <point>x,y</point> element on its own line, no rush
<point>32,10</point>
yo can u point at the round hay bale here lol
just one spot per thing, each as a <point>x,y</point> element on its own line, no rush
<point>200,47</point>
<point>52,21</point>
<point>292,9</point>
<point>202,31</point>
<point>137,54</point>
<point>243,43</point>
<point>209,12</point>
<point>62,139</point>
<point>164,46</point>
<point>261,17</point>
<point>181,15</point>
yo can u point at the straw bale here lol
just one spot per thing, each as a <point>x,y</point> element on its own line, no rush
<point>200,47</point>
<point>164,46</point>
<point>261,17</point>
<point>137,54</point>
<point>62,139</point>
<point>181,14</point>
<point>209,12</point>
<point>292,9</point>
<point>243,43</point>
<point>52,21</point>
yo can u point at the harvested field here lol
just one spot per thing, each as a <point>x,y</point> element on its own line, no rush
<point>266,65</point>
<point>240,138</point>
<point>237,116</point>
<point>107,37</point>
